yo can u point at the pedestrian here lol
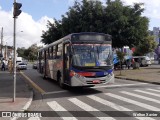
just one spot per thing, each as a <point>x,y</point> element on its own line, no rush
<point>128,63</point>
<point>3,66</point>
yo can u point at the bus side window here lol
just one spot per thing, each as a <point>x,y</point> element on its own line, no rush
<point>59,51</point>
<point>50,53</point>
<point>54,52</point>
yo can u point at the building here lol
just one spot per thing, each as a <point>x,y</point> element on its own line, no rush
<point>156,33</point>
<point>6,52</point>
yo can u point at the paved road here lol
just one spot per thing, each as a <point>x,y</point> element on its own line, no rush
<point>122,99</point>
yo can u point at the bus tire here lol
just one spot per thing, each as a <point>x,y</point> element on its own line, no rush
<point>59,80</point>
<point>44,77</point>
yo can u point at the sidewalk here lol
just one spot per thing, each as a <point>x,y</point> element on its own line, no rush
<point>23,93</point>
<point>150,74</point>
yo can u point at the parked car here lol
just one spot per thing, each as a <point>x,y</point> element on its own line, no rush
<point>142,60</point>
<point>21,66</point>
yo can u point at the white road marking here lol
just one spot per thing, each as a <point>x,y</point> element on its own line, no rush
<point>140,96</point>
<point>115,106</point>
<point>87,107</point>
<point>106,118</point>
<point>34,118</point>
<point>55,92</point>
<point>123,85</point>
<point>82,105</point>
<point>149,93</point>
<point>153,90</point>
<point>149,107</point>
<point>57,107</point>
<point>108,103</point>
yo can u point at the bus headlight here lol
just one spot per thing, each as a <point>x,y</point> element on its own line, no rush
<point>73,73</point>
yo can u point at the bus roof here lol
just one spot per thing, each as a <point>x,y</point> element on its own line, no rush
<point>81,36</point>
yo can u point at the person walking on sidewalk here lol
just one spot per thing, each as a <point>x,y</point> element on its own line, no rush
<point>3,66</point>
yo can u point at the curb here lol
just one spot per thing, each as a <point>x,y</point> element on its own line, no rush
<point>139,80</point>
<point>26,106</point>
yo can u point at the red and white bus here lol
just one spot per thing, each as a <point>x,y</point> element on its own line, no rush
<point>78,59</point>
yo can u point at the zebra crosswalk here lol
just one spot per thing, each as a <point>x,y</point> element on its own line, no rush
<point>137,104</point>
<point>57,107</point>
<point>149,93</point>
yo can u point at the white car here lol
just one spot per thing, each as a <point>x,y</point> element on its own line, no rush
<point>142,60</point>
<point>21,66</point>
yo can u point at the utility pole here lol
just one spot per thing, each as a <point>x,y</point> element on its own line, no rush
<point>2,41</point>
<point>6,56</point>
<point>16,12</point>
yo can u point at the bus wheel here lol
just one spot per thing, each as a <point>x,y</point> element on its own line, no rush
<point>44,77</point>
<point>60,82</point>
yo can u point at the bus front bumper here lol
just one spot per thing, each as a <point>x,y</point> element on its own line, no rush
<point>85,81</point>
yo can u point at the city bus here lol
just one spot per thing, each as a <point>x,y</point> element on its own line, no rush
<point>78,59</point>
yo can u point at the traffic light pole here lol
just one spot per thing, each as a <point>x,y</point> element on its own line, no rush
<point>16,13</point>
<point>14,63</point>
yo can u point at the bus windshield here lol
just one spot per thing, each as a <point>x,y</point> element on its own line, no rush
<point>92,55</point>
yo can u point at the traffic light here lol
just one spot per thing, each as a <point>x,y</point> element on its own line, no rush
<point>17,10</point>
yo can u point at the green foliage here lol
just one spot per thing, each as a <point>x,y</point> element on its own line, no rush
<point>21,51</point>
<point>52,34</point>
<point>124,23</point>
<point>147,46</point>
<point>120,56</point>
<point>30,53</point>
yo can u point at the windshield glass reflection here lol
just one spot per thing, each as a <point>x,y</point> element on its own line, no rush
<point>92,55</point>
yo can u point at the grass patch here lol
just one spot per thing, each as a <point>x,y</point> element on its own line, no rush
<point>120,74</point>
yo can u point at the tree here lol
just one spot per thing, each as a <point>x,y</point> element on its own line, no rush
<point>120,56</point>
<point>31,52</point>
<point>21,51</point>
<point>147,46</point>
<point>125,23</point>
<point>52,34</point>
<point>82,17</point>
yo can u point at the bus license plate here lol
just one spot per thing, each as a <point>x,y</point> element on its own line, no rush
<point>96,81</point>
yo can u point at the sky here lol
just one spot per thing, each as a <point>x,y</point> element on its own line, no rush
<point>35,14</point>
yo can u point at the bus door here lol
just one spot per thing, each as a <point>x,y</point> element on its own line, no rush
<point>66,62</point>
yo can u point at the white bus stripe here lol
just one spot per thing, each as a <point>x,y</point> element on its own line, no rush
<point>149,93</point>
<point>140,96</point>
<point>149,107</point>
<point>87,107</point>
<point>153,90</point>
<point>56,107</point>
<point>115,106</point>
